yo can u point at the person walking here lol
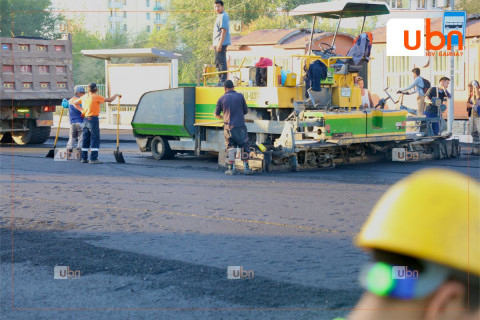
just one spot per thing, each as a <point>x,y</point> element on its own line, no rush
<point>419,84</point>
<point>473,109</point>
<point>76,121</point>
<point>424,239</point>
<point>435,97</point>
<point>221,39</point>
<point>91,130</point>
<point>234,108</point>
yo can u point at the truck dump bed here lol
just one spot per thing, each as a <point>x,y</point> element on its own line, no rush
<point>35,71</point>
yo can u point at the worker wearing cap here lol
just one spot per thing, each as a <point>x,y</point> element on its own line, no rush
<point>91,130</point>
<point>232,108</point>
<point>76,120</point>
<point>423,235</point>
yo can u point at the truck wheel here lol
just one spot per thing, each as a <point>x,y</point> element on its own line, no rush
<point>5,137</point>
<point>22,137</point>
<point>40,134</point>
<point>161,149</point>
<point>34,134</point>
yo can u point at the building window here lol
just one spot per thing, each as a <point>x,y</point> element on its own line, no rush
<point>147,3</point>
<point>148,15</point>
<point>157,16</point>
<point>157,28</point>
<point>124,14</point>
<point>440,3</point>
<point>149,29</point>
<point>398,4</point>
<point>124,28</point>
<point>398,72</point>
<point>422,4</point>
<point>441,68</point>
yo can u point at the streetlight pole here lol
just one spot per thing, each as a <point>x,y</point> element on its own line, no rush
<point>451,105</point>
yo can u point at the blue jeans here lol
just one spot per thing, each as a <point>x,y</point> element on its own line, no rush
<point>221,63</point>
<point>91,138</point>
<point>435,125</point>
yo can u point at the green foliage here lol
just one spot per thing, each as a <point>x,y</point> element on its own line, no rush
<point>85,69</point>
<point>470,6</point>
<point>190,23</point>
<point>266,22</point>
<point>27,18</point>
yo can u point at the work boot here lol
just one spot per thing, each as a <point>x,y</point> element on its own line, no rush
<point>230,170</point>
<point>247,170</point>
<point>95,162</point>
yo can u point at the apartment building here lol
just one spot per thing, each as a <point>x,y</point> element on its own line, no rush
<point>114,16</point>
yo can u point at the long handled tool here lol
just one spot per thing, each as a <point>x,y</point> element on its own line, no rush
<point>51,152</point>
<point>118,155</point>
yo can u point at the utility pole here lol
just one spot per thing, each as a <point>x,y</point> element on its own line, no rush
<point>451,105</point>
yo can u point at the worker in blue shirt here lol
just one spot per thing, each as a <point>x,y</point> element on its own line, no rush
<point>221,39</point>
<point>419,85</point>
<point>76,120</point>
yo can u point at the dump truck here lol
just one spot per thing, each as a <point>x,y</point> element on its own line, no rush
<point>294,127</point>
<point>36,75</point>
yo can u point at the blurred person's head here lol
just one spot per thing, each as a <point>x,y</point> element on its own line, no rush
<point>360,82</point>
<point>79,91</point>
<point>92,87</point>
<point>228,85</point>
<point>218,6</point>
<point>423,235</point>
<point>444,82</point>
<point>474,88</point>
<point>416,72</point>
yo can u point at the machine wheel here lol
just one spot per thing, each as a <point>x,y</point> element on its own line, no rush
<point>5,137</point>
<point>161,149</point>
<point>34,134</point>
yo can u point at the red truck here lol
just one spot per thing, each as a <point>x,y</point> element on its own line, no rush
<point>35,76</point>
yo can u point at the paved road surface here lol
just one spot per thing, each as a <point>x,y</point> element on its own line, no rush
<point>153,239</point>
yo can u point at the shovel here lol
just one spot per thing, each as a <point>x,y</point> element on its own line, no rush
<point>118,155</point>
<point>51,152</point>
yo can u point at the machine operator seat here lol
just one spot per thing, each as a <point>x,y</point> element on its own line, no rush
<point>360,51</point>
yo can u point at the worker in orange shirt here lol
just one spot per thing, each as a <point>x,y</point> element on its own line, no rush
<point>91,131</point>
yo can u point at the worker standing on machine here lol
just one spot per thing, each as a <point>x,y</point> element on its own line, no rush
<point>420,87</point>
<point>423,235</point>
<point>435,97</point>
<point>234,108</point>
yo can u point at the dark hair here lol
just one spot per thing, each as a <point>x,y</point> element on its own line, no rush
<point>443,78</point>
<point>228,84</point>
<point>416,70</point>
<point>220,2</point>
<point>92,87</point>
<point>469,280</point>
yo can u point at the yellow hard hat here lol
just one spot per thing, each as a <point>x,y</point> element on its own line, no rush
<point>433,214</point>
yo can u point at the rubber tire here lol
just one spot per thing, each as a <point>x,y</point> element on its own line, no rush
<point>34,135</point>
<point>6,137</point>
<point>161,149</point>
